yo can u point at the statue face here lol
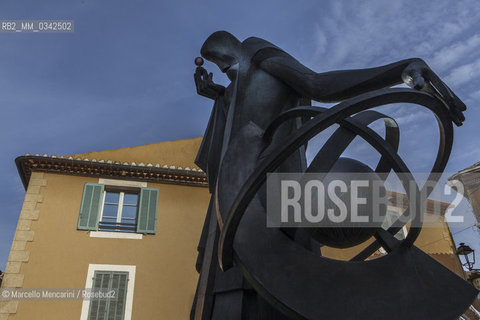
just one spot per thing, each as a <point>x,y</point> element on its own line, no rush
<point>232,72</point>
<point>223,49</point>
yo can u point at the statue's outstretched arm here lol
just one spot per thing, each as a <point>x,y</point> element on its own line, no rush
<point>340,85</point>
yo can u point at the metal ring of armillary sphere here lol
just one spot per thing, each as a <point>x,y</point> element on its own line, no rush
<point>404,284</point>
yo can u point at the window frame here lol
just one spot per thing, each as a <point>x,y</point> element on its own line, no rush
<point>120,204</point>
<point>113,184</point>
<point>403,231</point>
<point>131,269</point>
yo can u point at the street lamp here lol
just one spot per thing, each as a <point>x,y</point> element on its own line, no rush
<point>468,256</point>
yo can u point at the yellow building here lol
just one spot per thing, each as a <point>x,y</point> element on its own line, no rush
<point>470,178</point>
<point>126,219</point>
<point>71,231</point>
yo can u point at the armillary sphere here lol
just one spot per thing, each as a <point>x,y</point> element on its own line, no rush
<point>404,284</point>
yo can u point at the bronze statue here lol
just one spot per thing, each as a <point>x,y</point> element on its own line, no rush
<point>261,123</point>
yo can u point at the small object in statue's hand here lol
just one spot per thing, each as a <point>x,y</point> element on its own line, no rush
<point>199,61</point>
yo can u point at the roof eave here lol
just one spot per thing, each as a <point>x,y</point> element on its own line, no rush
<point>83,167</point>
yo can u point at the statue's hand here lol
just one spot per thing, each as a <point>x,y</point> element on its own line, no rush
<point>205,85</point>
<point>418,75</point>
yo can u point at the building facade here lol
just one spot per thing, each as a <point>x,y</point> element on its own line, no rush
<point>130,219</point>
<point>88,222</point>
<point>470,179</point>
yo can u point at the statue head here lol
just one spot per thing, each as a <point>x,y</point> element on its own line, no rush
<point>221,48</point>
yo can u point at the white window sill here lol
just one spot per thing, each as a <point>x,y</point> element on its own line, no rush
<point>115,235</point>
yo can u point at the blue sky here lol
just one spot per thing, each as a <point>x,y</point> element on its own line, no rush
<point>124,77</point>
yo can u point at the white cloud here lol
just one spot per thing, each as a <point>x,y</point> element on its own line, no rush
<point>464,73</point>
<point>453,54</point>
<point>475,95</point>
<point>376,32</point>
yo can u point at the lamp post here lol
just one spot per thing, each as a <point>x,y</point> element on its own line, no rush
<point>468,254</point>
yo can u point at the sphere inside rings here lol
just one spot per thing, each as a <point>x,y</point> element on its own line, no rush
<point>199,61</point>
<point>346,235</point>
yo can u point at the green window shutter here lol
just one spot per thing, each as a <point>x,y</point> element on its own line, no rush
<point>104,308</point>
<point>116,309</point>
<point>147,212</point>
<point>91,205</point>
<point>98,307</point>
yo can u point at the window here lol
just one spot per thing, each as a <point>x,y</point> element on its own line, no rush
<point>111,309</point>
<point>390,218</point>
<point>120,278</point>
<point>119,212</point>
<point>117,208</point>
